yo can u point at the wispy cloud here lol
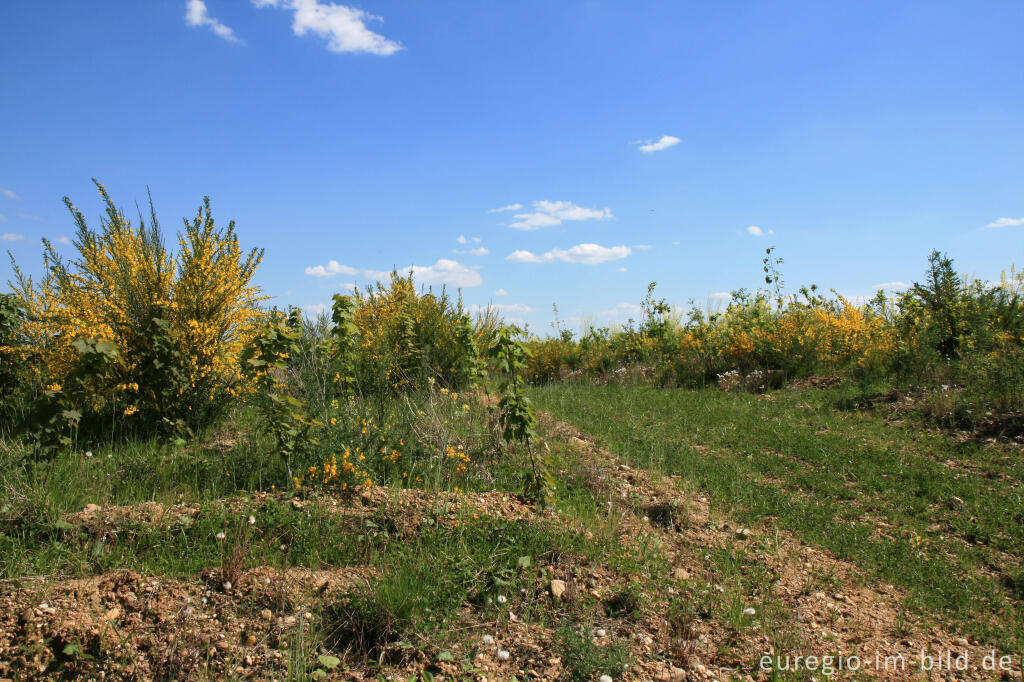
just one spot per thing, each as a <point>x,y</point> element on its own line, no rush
<point>63,240</point>
<point>479,251</point>
<point>758,231</point>
<point>444,271</point>
<point>504,308</point>
<point>197,15</point>
<point>501,292</point>
<point>586,254</point>
<point>316,309</point>
<point>344,27</point>
<point>642,247</point>
<point>891,286</point>
<point>9,193</point>
<point>510,207</point>
<point>463,239</point>
<point>663,142</point>
<point>1006,222</point>
<point>11,237</point>
<point>622,311</point>
<point>551,213</point>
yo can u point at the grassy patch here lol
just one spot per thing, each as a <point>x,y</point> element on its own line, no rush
<point>941,517</point>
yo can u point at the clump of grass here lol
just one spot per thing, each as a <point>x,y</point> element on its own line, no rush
<point>626,603</point>
<point>584,659</point>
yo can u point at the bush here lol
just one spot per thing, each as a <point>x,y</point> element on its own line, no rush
<point>172,326</point>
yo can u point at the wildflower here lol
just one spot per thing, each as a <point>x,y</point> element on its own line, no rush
<point>88,453</point>
<point>503,655</point>
<point>252,520</point>
<point>53,387</point>
<point>227,585</point>
<point>283,547</point>
<point>487,640</point>
<point>130,410</point>
<point>600,632</point>
<point>502,599</point>
<point>605,678</point>
<point>221,535</point>
<point>749,611</point>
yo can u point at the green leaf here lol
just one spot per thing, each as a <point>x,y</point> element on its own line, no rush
<point>524,562</point>
<point>445,656</point>
<point>329,662</point>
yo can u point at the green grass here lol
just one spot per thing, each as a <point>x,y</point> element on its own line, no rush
<point>953,508</point>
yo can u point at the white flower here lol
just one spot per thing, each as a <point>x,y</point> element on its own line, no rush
<point>503,655</point>
<point>749,611</point>
<point>221,535</point>
<point>252,520</point>
<point>227,585</point>
<point>502,599</point>
<point>600,632</point>
<point>283,547</point>
<point>605,678</point>
<point>88,453</point>
<point>487,639</point>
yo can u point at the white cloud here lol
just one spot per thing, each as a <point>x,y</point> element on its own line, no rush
<point>550,213</point>
<point>503,308</point>
<point>623,270</point>
<point>510,207</point>
<point>9,193</point>
<point>316,309</point>
<point>479,251</point>
<point>344,27</point>
<point>11,237</point>
<point>622,311</point>
<point>759,232</point>
<point>1006,222</point>
<point>891,286</point>
<point>501,292</point>
<point>444,271</point>
<point>522,256</point>
<point>463,239</point>
<point>586,254</point>
<point>663,142</point>
<point>197,15</point>
<point>332,269</point>
<point>62,240</point>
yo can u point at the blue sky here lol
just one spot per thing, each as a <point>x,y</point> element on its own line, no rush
<point>639,141</point>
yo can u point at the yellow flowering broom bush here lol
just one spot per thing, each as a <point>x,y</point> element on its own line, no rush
<point>175,324</point>
<point>404,336</point>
